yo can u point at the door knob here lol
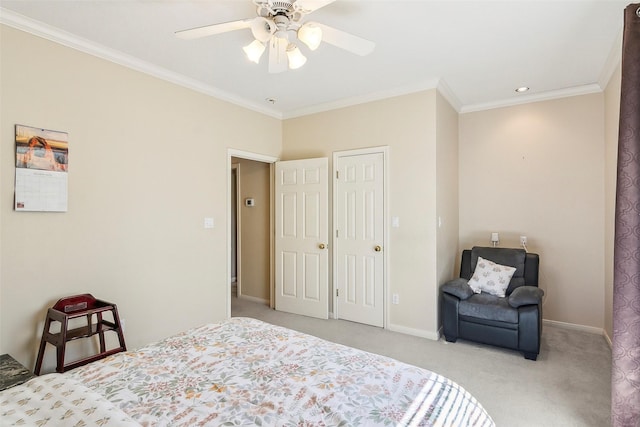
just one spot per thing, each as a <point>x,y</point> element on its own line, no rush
<point>378,248</point>
<point>322,246</point>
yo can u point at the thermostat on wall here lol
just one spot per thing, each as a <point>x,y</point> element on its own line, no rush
<point>249,202</point>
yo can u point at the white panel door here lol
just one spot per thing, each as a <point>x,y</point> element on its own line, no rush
<point>360,238</point>
<point>301,254</point>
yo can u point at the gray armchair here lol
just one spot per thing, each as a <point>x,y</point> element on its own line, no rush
<point>513,321</point>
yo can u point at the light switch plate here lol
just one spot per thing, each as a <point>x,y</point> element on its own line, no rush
<point>208,223</point>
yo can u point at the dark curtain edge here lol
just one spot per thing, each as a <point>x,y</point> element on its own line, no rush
<point>625,373</point>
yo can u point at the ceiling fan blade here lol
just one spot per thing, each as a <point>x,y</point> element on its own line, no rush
<point>308,6</point>
<point>346,41</point>
<point>210,30</point>
<point>278,61</point>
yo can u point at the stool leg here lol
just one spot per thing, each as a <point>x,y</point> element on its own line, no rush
<point>43,345</point>
<point>62,344</point>
<point>116,320</point>
<point>100,333</point>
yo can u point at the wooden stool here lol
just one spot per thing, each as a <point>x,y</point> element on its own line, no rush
<point>79,306</point>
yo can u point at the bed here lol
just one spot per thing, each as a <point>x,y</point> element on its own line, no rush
<point>244,371</point>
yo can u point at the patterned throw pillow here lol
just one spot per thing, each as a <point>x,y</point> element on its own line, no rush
<point>491,278</point>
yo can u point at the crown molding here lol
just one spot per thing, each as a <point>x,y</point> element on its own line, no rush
<point>362,99</point>
<point>611,64</point>
<point>534,97</point>
<point>449,95</point>
<point>613,60</point>
<point>37,28</point>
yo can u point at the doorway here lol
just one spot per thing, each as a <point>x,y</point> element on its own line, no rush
<point>249,227</point>
<point>234,227</point>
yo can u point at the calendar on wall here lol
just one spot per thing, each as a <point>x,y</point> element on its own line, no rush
<point>42,161</point>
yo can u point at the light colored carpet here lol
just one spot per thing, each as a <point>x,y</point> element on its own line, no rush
<point>569,384</point>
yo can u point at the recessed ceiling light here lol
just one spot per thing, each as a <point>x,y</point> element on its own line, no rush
<point>522,89</point>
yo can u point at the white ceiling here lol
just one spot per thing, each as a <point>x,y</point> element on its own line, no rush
<point>476,52</point>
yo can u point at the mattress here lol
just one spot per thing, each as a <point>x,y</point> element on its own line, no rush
<point>244,371</point>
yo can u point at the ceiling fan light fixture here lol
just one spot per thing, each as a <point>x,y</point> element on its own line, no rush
<point>279,25</point>
<point>310,34</point>
<point>254,51</point>
<point>296,58</point>
<point>262,29</point>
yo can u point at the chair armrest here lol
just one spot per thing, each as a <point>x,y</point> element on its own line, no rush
<point>458,287</point>
<point>525,295</point>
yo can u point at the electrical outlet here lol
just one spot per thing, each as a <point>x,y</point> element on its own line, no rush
<point>122,322</point>
<point>395,299</point>
<point>495,238</point>
<point>523,240</point>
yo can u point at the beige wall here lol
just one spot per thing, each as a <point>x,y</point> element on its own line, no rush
<point>447,204</point>
<point>407,124</point>
<point>254,179</point>
<point>612,119</point>
<point>538,170</point>
<point>148,162</point>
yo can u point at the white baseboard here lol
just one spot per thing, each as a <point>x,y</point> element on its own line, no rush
<point>574,327</point>
<point>415,332</point>
<point>606,337</point>
<point>254,299</point>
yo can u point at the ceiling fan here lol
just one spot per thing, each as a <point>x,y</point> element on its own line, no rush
<point>280,24</point>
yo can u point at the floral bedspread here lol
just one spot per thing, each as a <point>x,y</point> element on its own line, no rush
<point>247,372</point>
<point>60,401</point>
